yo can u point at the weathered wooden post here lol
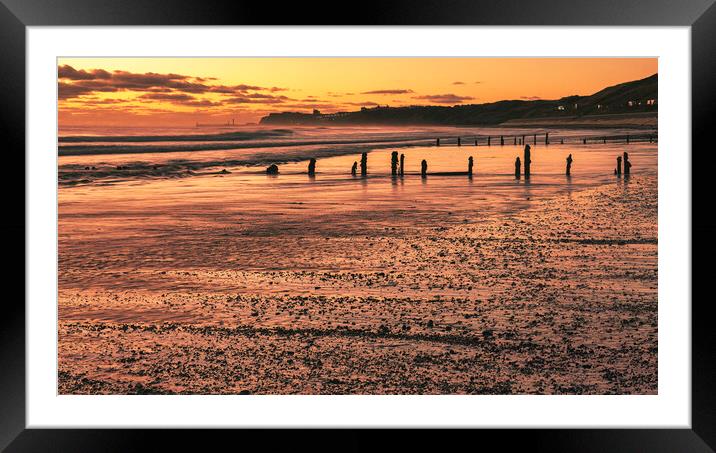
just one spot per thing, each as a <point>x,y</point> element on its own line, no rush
<point>534,139</point>
<point>546,138</point>
<point>569,165</point>
<point>394,163</point>
<point>272,169</point>
<point>469,166</point>
<point>424,168</point>
<point>627,139</point>
<point>402,164</point>
<point>527,161</point>
<point>561,142</point>
<point>354,168</point>
<point>459,143</point>
<point>364,164</point>
<point>517,168</point>
<point>604,140</point>
<point>488,140</point>
<point>584,141</point>
<point>475,142</point>
<point>312,167</point>
<point>502,140</point>
<point>619,165</point>
<point>523,140</point>
<point>437,143</point>
<point>627,164</point>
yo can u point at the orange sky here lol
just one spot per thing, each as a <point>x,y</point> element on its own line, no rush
<point>183,91</point>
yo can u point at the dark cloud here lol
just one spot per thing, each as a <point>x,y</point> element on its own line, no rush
<point>168,97</point>
<point>458,83</point>
<point>70,73</point>
<point>444,98</point>
<point>74,83</point>
<point>388,92</point>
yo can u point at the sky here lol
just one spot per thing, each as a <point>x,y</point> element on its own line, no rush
<point>184,91</point>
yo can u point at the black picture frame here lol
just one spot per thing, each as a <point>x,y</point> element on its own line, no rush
<point>16,15</point>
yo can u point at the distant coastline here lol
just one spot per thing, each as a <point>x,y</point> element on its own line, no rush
<point>632,104</point>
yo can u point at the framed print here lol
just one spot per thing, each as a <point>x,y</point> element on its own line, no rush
<point>474,216</point>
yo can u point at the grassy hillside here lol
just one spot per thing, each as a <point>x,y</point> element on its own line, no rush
<point>637,96</point>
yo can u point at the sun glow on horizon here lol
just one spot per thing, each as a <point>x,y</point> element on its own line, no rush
<point>183,91</point>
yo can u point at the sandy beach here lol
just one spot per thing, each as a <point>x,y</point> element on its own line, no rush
<point>338,285</point>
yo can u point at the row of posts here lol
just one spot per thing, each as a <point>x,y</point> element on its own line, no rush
<point>521,141</point>
<point>397,165</point>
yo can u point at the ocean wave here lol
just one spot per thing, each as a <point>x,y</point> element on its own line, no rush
<point>223,137</point>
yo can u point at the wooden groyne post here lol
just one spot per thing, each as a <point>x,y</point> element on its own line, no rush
<point>402,164</point>
<point>437,142</point>
<point>364,164</point>
<point>627,139</point>
<point>502,140</point>
<point>515,140</point>
<point>618,170</point>
<point>312,167</point>
<point>488,140</point>
<point>534,139</point>
<point>627,164</point>
<point>354,168</point>
<point>394,163</point>
<point>546,138</point>
<point>569,165</point>
<point>469,166</point>
<point>459,143</point>
<point>527,161</point>
<point>517,167</point>
<point>424,168</point>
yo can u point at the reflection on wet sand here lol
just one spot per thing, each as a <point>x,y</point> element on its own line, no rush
<point>242,282</point>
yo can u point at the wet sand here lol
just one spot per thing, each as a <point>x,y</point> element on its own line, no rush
<point>377,286</point>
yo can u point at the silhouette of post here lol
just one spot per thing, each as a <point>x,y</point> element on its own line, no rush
<point>475,142</point>
<point>458,142</point>
<point>394,163</point>
<point>627,164</point>
<point>627,139</point>
<point>312,167</point>
<point>534,139</point>
<point>527,161</point>
<point>569,165</point>
<point>402,164</point>
<point>523,140</point>
<point>604,140</point>
<point>364,164</point>
<point>546,138</point>
<point>619,165</point>
<point>561,142</point>
<point>515,140</point>
<point>584,141</point>
<point>354,168</point>
<point>488,140</point>
<point>437,143</point>
<point>272,169</point>
<point>469,166</point>
<point>651,138</point>
<point>424,168</point>
<point>517,167</point>
<point>502,140</point>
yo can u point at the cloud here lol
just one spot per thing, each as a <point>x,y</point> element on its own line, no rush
<point>530,98</point>
<point>458,83</point>
<point>70,73</point>
<point>444,98</point>
<point>75,83</point>
<point>388,92</point>
<point>479,81</point>
<point>168,97</point>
